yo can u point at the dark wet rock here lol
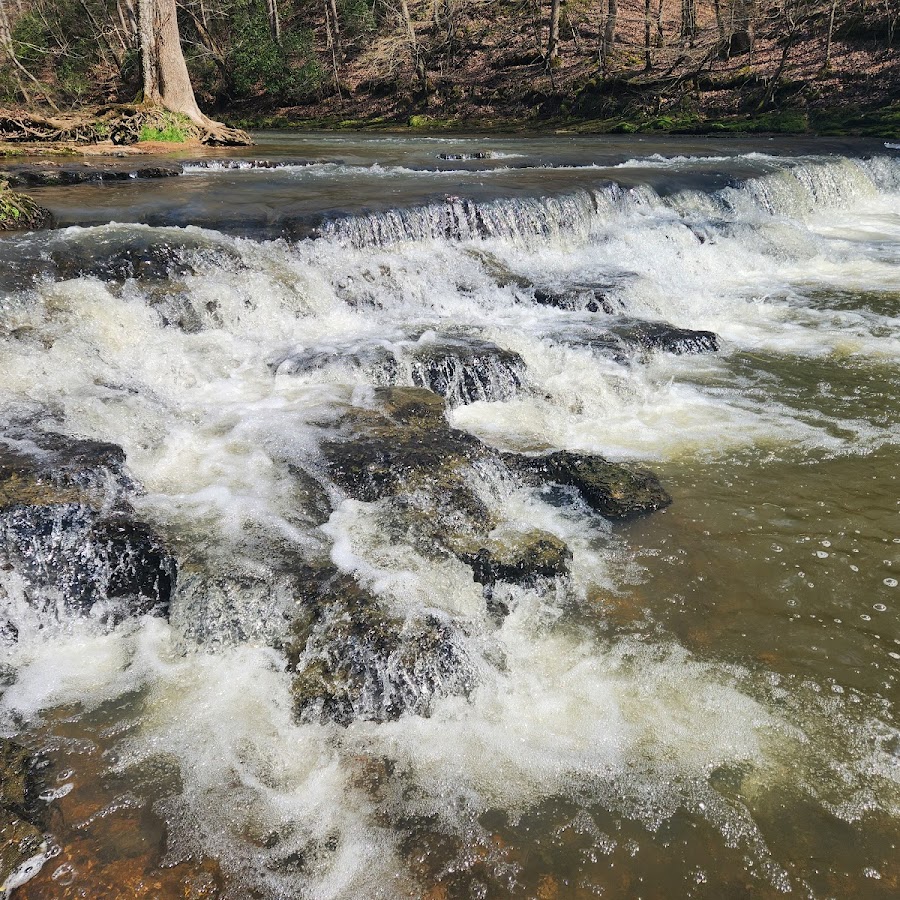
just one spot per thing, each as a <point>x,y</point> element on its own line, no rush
<point>69,535</point>
<point>526,560</point>
<point>621,339</point>
<point>579,298</point>
<point>352,660</point>
<point>462,370</point>
<point>236,163</point>
<point>43,173</point>
<point>138,254</point>
<point>22,822</point>
<point>614,490</point>
<point>405,450</point>
<point>403,446</point>
<point>368,357</point>
<point>535,555</point>
<point>660,336</point>
<point>477,154</point>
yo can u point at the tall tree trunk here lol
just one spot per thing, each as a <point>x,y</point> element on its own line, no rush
<point>688,18</point>
<point>648,61</point>
<point>274,20</point>
<point>827,64</point>
<point>332,46</point>
<point>418,61</point>
<point>336,29</point>
<point>553,38</point>
<point>166,79</point>
<point>609,32</point>
<point>719,23</point>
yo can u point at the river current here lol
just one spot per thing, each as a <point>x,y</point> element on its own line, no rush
<point>704,703</point>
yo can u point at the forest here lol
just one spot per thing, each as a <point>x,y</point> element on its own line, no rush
<point>606,65</point>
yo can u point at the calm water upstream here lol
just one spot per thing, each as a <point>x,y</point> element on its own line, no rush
<point>703,704</point>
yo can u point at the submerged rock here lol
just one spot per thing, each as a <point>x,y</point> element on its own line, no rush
<point>22,842</point>
<point>579,298</point>
<point>352,660</point>
<point>69,535</point>
<point>614,490</point>
<point>623,338</point>
<point>462,370</point>
<point>534,555</point>
<point>44,173</point>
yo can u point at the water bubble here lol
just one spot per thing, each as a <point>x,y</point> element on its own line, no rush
<point>777,548</point>
<point>64,874</point>
<point>854,568</point>
<point>821,554</point>
<point>880,607</point>
<point>826,543</point>
<point>890,582</point>
<point>866,618</point>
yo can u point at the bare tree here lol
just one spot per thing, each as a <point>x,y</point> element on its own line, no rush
<point>609,32</point>
<point>6,42</point>
<point>553,38</point>
<point>418,59</point>
<point>274,20</point>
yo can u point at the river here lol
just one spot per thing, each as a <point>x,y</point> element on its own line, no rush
<point>699,701</point>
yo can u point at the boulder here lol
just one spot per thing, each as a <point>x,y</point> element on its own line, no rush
<point>614,490</point>
<point>406,446</point>
<point>578,298</point>
<point>621,339</point>
<point>522,560</point>
<point>69,534</point>
<point>460,369</point>
<point>660,336</point>
<point>352,660</point>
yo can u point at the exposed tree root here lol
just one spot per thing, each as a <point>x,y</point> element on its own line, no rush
<point>122,124</point>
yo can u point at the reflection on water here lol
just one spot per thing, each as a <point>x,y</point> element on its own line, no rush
<point>701,702</point>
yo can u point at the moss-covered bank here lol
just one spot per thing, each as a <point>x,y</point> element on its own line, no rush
<point>18,212</point>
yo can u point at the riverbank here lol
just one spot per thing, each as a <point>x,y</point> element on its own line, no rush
<point>826,122</point>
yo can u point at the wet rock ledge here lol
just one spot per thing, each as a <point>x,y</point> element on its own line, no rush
<point>44,173</point>
<point>70,542</point>
<point>353,659</point>
<point>22,814</point>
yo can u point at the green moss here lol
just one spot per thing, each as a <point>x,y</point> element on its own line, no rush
<point>19,212</point>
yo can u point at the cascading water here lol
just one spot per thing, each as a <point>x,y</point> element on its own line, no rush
<point>379,598</point>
